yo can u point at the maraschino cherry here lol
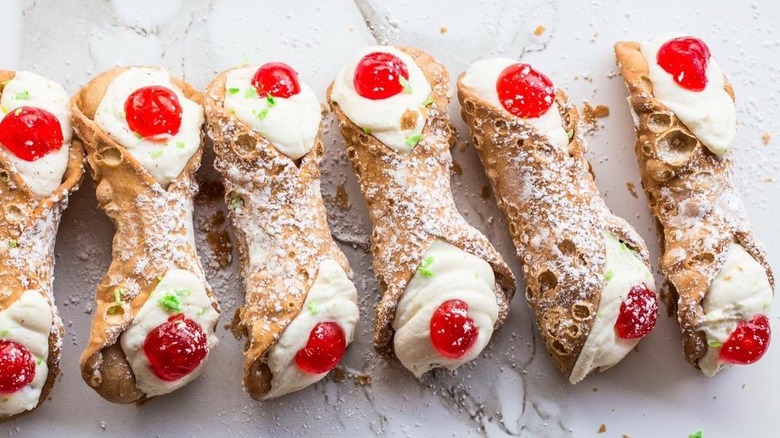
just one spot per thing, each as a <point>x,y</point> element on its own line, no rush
<point>324,349</point>
<point>153,112</point>
<point>453,332</point>
<point>638,313</point>
<point>17,368</point>
<point>748,342</point>
<point>686,59</point>
<point>378,75</point>
<point>175,348</point>
<point>276,79</point>
<point>525,92</point>
<point>30,133</point>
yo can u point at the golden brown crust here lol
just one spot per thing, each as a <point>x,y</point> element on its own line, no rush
<point>687,187</point>
<point>33,223</point>
<point>152,236</point>
<point>410,203</point>
<point>555,215</point>
<point>281,228</point>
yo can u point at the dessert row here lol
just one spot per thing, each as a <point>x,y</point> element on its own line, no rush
<point>445,289</point>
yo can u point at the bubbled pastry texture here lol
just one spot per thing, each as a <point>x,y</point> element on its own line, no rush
<point>555,215</point>
<point>153,234</point>
<point>691,192</point>
<point>31,224</point>
<point>281,229</point>
<point>410,203</point>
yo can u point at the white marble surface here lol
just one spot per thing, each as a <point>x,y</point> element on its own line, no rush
<point>513,389</point>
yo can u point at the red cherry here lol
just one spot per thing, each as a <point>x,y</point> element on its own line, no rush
<point>30,133</point>
<point>748,342</point>
<point>17,368</point>
<point>175,348</point>
<point>377,75</point>
<point>525,92</point>
<point>452,331</point>
<point>153,111</point>
<point>638,313</point>
<point>276,79</point>
<point>324,349</point>
<point>686,59</point>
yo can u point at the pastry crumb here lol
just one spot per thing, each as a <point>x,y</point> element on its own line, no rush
<point>602,428</point>
<point>485,193</point>
<point>443,30</point>
<point>766,137</point>
<point>625,435</point>
<point>339,374</point>
<point>363,379</point>
<point>595,389</point>
<point>631,189</point>
<point>590,114</point>
<point>539,30</point>
<point>455,168</point>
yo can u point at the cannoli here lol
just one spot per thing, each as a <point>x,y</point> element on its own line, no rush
<point>718,277</point>
<point>586,270</point>
<point>39,169</point>
<point>301,306</point>
<point>155,317</point>
<point>444,288</point>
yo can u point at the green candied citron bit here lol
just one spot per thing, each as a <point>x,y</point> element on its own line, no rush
<point>233,90</point>
<point>118,297</point>
<point>236,202</point>
<point>313,306</point>
<point>767,305</point>
<point>405,83</point>
<point>697,434</point>
<point>715,344</point>
<point>623,246</point>
<point>170,302</point>
<point>180,145</point>
<point>24,95</point>
<point>5,110</point>
<point>201,311</point>
<point>608,275</point>
<point>4,332</point>
<point>262,114</point>
<point>250,93</point>
<point>367,131</point>
<point>137,135</point>
<point>413,140</point>
<point>476,275</point>
<point>40,360</point>
<point>599,314</point>
<point>13,243</point>
<point>425,267</point>
<point>428,101</point>
<point>122,114</point>
<point>271,101</point>
<point>156,153</point>
<point>570,133</point>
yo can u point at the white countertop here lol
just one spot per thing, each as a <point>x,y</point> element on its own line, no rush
<point>513,389</point>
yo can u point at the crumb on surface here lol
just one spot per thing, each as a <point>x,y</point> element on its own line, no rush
<point>602,428</point>
<point>363,379</point>
<point>539,30</point>
<point>766,137</point>
<point>631,189</point>
<point>443,29</point>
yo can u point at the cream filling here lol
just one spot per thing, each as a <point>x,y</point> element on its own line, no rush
<point>382,118</point>
<point>195,304</point>
<point>481,79</point>
<point>166,158</point>
<point>710,114</point>
<point>43,175</point>
<point>28,322</point>
<point>740,291</point>
<point>604,348</point>
<point>332,297</point>
<point>291,124</point>
<point>448,273</point>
